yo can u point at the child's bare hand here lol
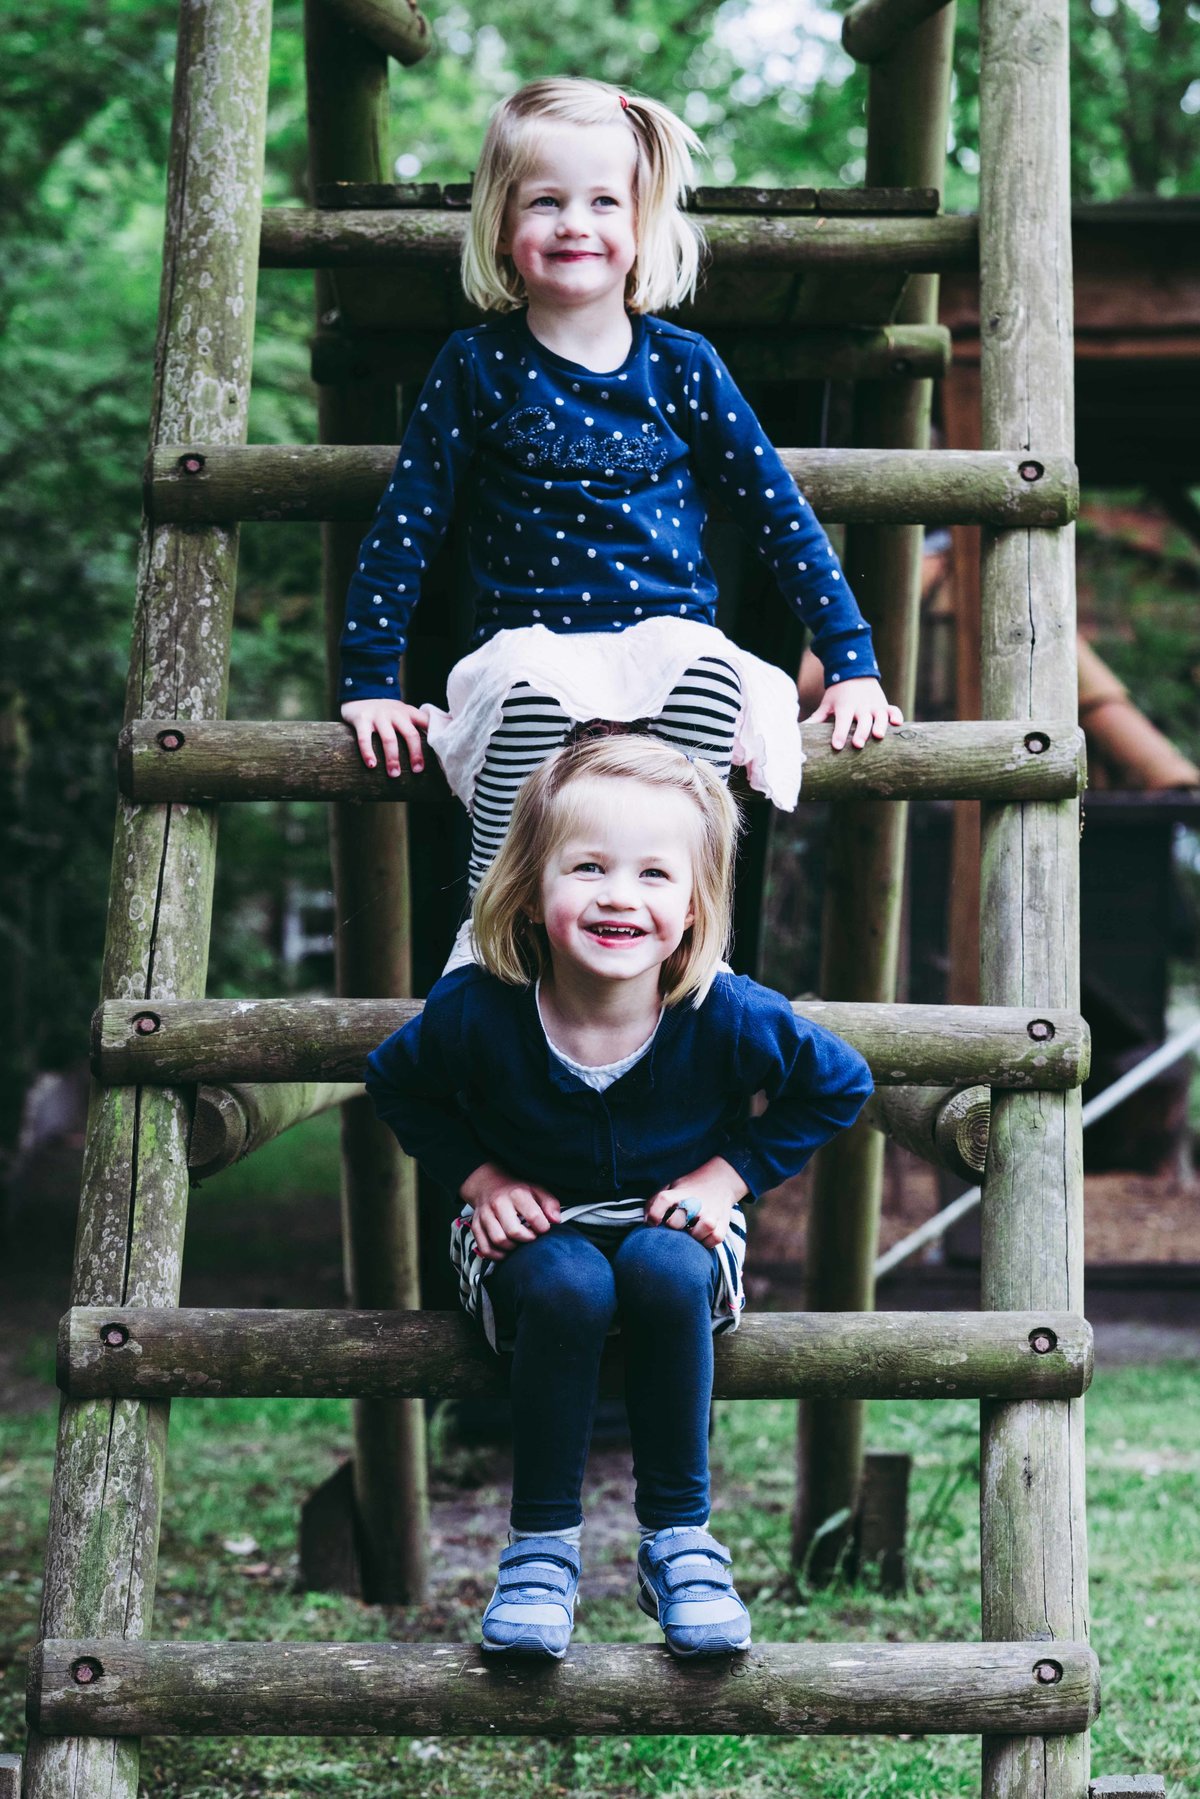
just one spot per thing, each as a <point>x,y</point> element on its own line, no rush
<point>508,1212</point>
<point>389,720</point>
<point>700,1203</point>
<point>858,706</point>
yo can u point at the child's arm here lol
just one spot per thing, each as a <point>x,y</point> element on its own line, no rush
<point>739,464</point>
<point>815,1084</point>
<point>413,517</point>
<point>413,1080</point>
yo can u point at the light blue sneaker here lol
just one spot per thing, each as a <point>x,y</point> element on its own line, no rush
<point>532,1610</point>
<point>684,1582</point>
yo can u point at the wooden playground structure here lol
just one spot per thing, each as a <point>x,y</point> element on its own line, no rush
<point>803,283</point>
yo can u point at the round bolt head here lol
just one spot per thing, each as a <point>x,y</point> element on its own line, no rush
<point>170,740</point>
<point>1041,1030</point>
<point>114,1336</point>
<point>146,1023</point>
<point>1031,471</point>
<point>1037,743</point>
<point>1042,1341</point>
<point>86,1670</point>
<point>1047,1674</point>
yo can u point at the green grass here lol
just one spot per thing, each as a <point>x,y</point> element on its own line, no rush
<point>241,1467</point>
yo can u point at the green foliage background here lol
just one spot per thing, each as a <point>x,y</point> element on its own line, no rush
<point>84,115</point>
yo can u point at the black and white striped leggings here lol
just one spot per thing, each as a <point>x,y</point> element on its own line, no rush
<point>700,715</point>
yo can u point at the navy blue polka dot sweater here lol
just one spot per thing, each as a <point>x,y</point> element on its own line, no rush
<point>583,496</point>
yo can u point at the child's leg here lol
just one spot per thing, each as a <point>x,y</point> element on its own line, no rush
<point>531,728</point>
<point>666,1283</point>
<point>701,713</point>
<point>555,1298</point>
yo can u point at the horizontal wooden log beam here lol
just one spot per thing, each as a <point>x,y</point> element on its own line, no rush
<point>158,1354</point>
<point>857,353</point>
<point>305,238</point>
<point>177,1042</point>
<point>398,27</point>
<point>202,763</point>
<point>946,1127</point>
<point>111,1687</point>
<point>873,27</point>
<point>298,483</point>
<point>230,1123</point>
<point>369,196</point>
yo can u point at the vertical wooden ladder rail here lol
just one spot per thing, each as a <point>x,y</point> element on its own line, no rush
<point>1034,1549</point>
<point>102,1549</point>
<point>347,80</point>
<point>907,117</point>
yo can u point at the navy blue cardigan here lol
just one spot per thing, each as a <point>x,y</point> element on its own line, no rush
<point>473,1080</point>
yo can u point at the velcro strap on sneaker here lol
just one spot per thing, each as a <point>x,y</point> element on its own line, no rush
<point>691,1574</point>
<point>687,1542</point>
<point>532,1573</point>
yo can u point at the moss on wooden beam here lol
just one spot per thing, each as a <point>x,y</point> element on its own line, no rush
<point>117,1688</point>
<point>304,238</point>
<point>298,483</point>
<point>291,759</point>
<point>151,1354</point>
<point>218,1041</point>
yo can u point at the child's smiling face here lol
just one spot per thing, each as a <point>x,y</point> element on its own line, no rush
<point>616,894</point>
<point>570,222</point>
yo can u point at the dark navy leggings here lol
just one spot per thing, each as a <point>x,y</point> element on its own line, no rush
<point>556,1299</point>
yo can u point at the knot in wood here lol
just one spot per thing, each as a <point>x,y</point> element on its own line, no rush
<point>114,1336</point>
<point>146,1023</point>
<point>1041,1030</point>
<point>1047,1674</point>
<point>1042,1341</point>
<point>86,1670</point>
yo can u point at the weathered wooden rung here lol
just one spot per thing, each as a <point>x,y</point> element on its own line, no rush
<point>204,762</point>
<point>297,483</point>
<point>133,1353</point>
<point>359,196</point>
<point>430,238</point>
<point>107,1686</point>
<point>230,1123</point>
<point>10,1777</point>
<point>178,1042</point>
<point>854,353</point>
<point>949,1128</point>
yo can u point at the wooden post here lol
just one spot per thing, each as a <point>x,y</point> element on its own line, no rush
<point>347,126</point>
<point>102,1550</point>
<point>907,117</point>
<point>1034,1549</point>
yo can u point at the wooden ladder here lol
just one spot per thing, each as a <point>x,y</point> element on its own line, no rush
<point>98,1680</point>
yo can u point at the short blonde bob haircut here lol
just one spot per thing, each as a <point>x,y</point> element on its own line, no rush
<point>507,940</point>
<point>669,244</point>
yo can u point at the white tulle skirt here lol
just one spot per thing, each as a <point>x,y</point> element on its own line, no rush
<point>623,676</point>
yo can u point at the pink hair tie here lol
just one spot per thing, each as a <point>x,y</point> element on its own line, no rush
<point>624,102</point>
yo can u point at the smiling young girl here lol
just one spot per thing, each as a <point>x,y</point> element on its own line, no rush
<point>587,1092</point>
<point>580,438</point>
